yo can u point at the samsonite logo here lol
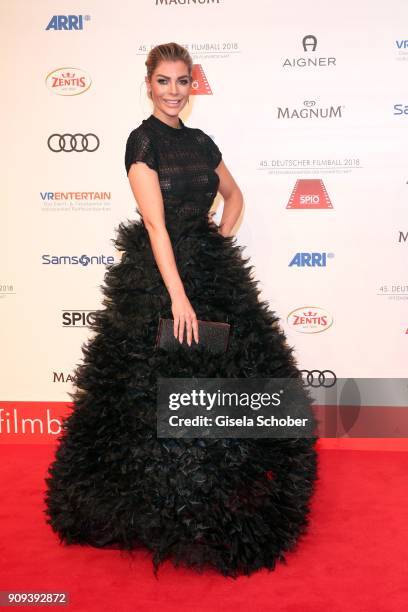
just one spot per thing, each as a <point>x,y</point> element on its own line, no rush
<point>400,109</point>
<point>68,81</point>
<point>309,320</point>
<point>77,260</point>
<point>67,22</point>
<point>310,259</point>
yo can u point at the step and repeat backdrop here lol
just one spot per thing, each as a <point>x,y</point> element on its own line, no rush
<point>309,106</point>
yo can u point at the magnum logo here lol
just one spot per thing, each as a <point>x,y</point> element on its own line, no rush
<point>310,111</point>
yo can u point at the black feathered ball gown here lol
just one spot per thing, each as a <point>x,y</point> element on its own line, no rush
<point>235,505</point>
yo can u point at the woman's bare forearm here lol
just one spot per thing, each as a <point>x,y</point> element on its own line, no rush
<point>164,256</point>
<point>233,206</point>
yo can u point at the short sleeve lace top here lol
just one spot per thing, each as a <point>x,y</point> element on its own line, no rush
<point>184,158</point>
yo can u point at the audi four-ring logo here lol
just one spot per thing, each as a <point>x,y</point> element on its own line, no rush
<point>73,142</point>
<point>318,378</point>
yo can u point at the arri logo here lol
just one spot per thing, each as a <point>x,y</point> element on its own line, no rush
<point>310,320</point>
<point>67,22</point>
<point>309,193</point>
<point>68,81</point>
<point>310,260</point>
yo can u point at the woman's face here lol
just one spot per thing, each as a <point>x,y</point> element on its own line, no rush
<point>170,87</point>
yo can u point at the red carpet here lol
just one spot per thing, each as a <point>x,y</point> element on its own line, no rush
<point>353,558</point>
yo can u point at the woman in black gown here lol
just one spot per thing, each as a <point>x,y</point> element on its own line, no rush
<point>232,504</point>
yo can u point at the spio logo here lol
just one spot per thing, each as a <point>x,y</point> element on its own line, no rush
<point>200,85</point>
<point>310,259</point>
<point>310,320</point>
<point>67,22</point>
<point>309,193</point>
<point>68,81</point>
<point>77,318</point>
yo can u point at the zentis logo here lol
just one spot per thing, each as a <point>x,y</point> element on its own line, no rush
<point>309,320</point>
<point>68,81</point>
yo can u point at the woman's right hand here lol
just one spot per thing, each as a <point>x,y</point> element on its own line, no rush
<point>184,317</point>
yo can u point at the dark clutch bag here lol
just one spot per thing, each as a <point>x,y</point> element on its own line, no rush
<point>213,335</point>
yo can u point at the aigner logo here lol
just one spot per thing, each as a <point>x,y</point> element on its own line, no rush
<point>309,44</point>
<point>73,142</point>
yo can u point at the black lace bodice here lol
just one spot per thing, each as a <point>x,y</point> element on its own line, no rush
<point>184,158</point>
